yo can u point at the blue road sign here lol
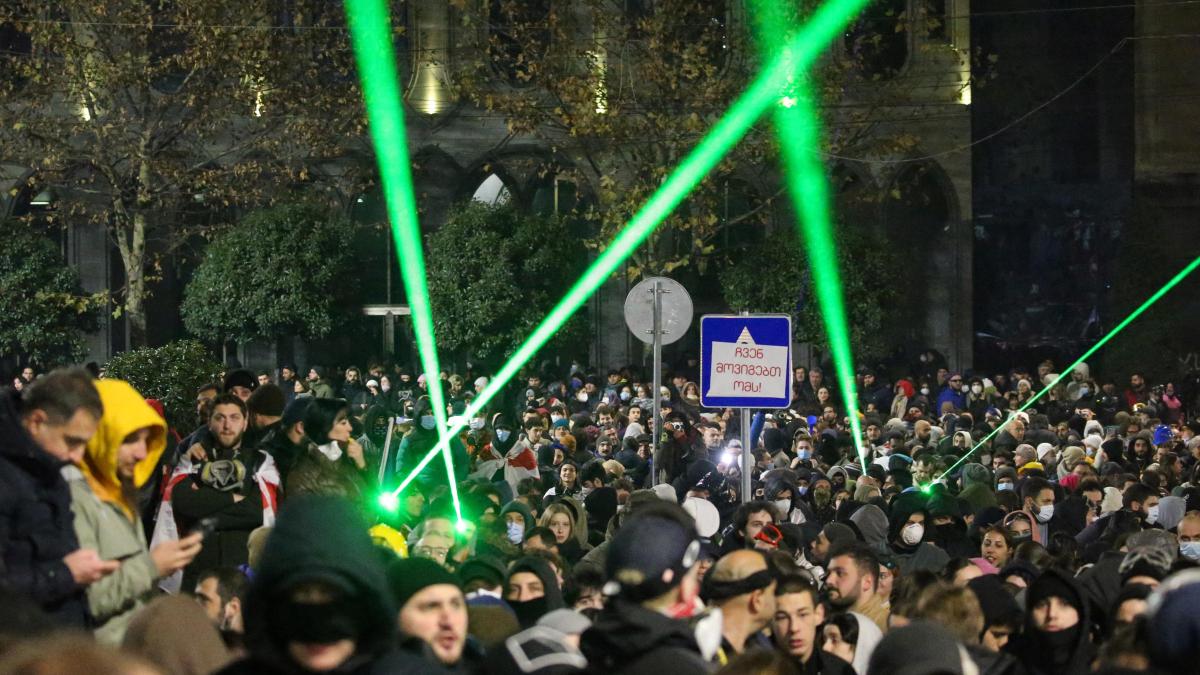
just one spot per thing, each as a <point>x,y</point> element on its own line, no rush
<point>745,361</point>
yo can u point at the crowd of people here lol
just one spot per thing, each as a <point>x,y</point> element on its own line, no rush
<point>966,532</point>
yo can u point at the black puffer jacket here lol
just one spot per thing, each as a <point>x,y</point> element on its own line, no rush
<point>630,639</point>
<point>36,525</point>
<point>323,537</point>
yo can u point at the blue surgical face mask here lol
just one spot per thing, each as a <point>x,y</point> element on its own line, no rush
<point>625,396</point>
<point>1004,486</point>
<point>476,424</point>
<point>803,490</point>
<point>1190,550</point>
<point>806,453</point>
<point>516,533</point>
<point>502,435</point>
<point>428,422</point>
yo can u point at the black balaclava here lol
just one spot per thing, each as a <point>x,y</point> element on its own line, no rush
<point>529,611</point>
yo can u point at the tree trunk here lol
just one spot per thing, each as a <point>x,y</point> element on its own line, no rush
<point>133,260</point>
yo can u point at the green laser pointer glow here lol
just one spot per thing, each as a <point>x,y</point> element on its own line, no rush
<point>826,24</point>
<point>1094,348</point>
<point>389,502</point>
<point>797,126</point>
<point>371,34</point>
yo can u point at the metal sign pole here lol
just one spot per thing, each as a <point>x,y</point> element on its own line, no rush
<point>656,436</point>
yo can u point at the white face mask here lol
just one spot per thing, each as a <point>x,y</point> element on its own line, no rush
<point>476,424</point>
<point>625,396</point>
<point>783,506</point>
<point>428,422</point>
<point>1004,486</point>
<point>924,391</point>
<point>555,418</point>
<point>1084,391</point>
<point>502,435</point>
<point>912,534</point>
<point>1152,515</point>
<point>582,396</point>
<point>1045,513</point>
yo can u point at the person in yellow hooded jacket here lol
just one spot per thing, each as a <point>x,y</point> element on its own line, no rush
<point>119,460</point>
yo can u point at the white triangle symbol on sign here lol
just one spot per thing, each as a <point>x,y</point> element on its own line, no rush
<point>744,338</point>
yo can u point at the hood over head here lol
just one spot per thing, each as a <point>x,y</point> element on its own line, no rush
<point>322,539</point>
<point>519,507</point>
<point>529,611</point>
<point>125,411</point>
<point>873,524</point>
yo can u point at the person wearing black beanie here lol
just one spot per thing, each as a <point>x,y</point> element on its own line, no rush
<point>240,382</point>
<point>432,607</point>
<point>1056,639</point>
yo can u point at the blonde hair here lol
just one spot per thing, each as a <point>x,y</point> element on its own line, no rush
<point>553,509</point>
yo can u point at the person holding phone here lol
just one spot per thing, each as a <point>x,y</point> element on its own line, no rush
<point>43,428</point>
<point>119,459</point>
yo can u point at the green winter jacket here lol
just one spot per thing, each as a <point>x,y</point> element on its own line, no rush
<point>102,526</point>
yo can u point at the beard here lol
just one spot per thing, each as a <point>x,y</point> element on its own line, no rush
<point>841,602</point>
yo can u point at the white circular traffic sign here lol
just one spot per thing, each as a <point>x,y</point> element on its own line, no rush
<point>676,310</point>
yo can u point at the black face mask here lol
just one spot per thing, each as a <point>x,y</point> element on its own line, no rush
<point>946,532</point>
<point>529,611</point>
<point>313,623</point>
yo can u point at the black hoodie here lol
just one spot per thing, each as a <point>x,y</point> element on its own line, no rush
<point>630,639</point>
<point>323,538</point>
<point>529,611</point>
<point>36,526</point>
<point>1066,652</point>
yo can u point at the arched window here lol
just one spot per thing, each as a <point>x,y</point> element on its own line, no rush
<point>492,191</point>
<point>877,43</point>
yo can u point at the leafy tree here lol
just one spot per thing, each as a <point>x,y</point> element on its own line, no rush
<point>282,270</point>
<point>773,277</point>
<point>43,311</point>
<point>171,373</point>
<point>623,91</point>
<point>494,273</point>
<point>154,118</point>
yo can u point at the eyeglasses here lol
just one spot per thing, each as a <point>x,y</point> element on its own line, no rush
<point>955,379</point>
<point>434,553</point>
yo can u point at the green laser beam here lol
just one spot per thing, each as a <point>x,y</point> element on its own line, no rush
<point>798,129</point>
<point>371,35</point>
<point>1069,369</point>
<point>826,23</point>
